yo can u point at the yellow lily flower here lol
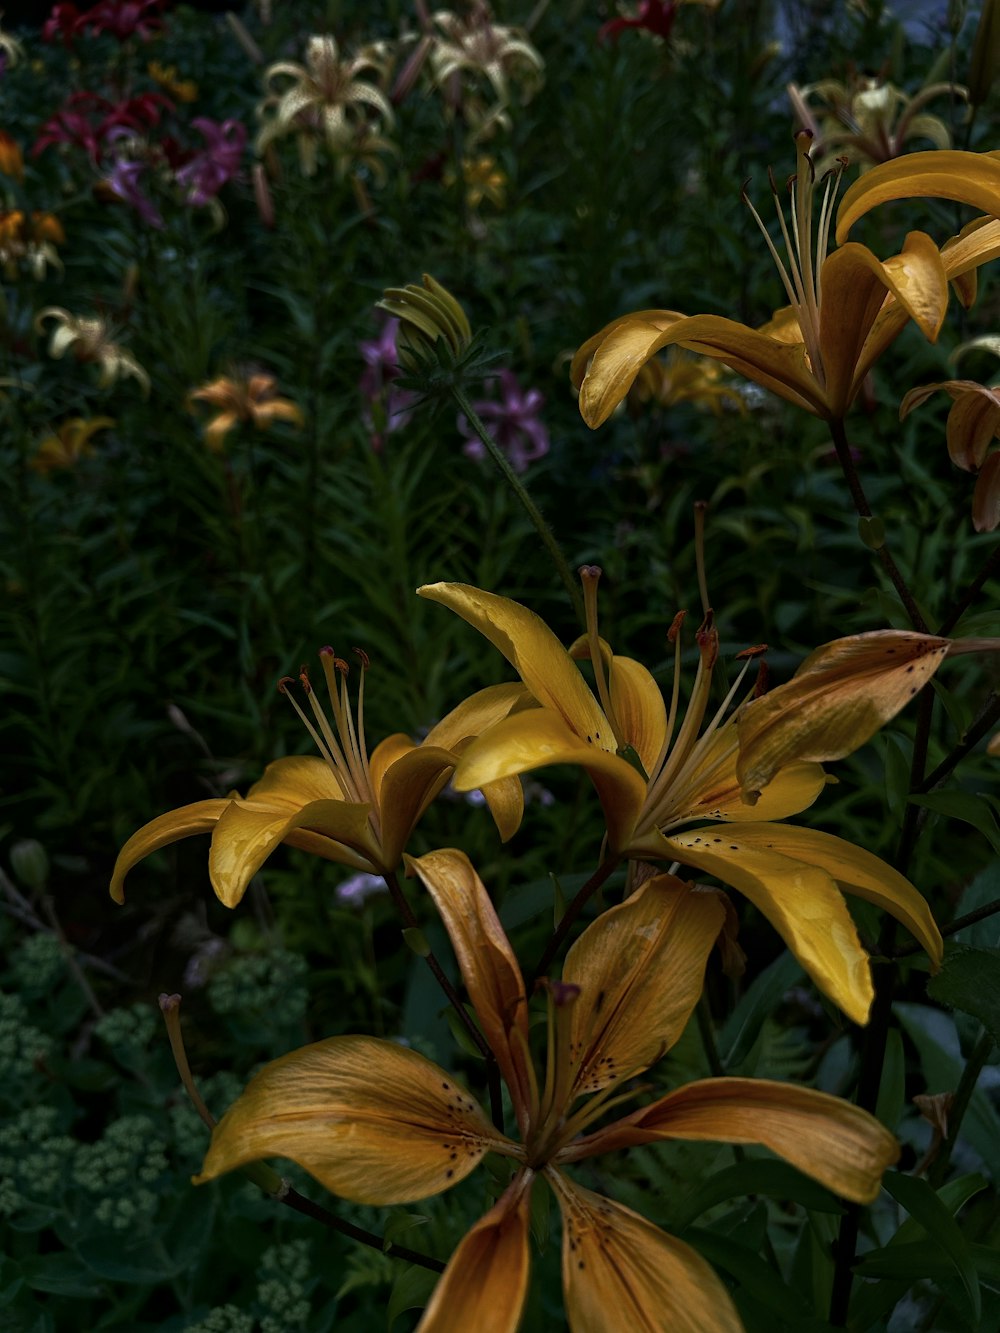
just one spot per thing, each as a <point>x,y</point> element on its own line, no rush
<point>69,444</point>
<point>182,90</point>
<point>348,806</point>
<point>90,339</point>
<point>846,307</point>
<point>29,240</point>
<point>656,776</point>
<point>377,1123</point>
<point>252,399</point>
<point>973,425</point>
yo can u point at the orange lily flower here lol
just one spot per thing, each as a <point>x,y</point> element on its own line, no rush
<point>377,1123</point>
<point>660,776</point>
<point>69,444</point>
<point>348,806</point>
<point>846,307</point>
<point>252,399</point>
<point>973,425</point>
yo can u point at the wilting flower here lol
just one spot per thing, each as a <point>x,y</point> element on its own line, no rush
<point>181,90</point>
<point>847,307</point>
<point>348,806</point>
<point>867,120</point>
<point>473,54</point>
<point>11,159</point>
<point>29,241</point>
<point>388,408</point>
<point>377,1123</point>
<point>661,775</point>
<point>973,425</point>
<point>90,340</point>
<point>513,422</point>
<point>69,444</point>
<point>654,16</point>
<point>205,174</point>
<point>252,399</point>
<point>327,87</point>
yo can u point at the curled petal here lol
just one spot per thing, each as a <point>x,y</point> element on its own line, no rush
<point>967,178</point>
<point>489,968</point>
<point>538,737</point>
<point>835,1142</point>
<point>640,968</point>
<point>622,1272</point>
<point>986,496</point>
<point>476,713</point>
<point>408,787</point>
<point>839,697</point>
<point>201,817</point>
<point>801,901</point>
<point>533,651</point>
<point>370,1120</point>
<point>486,1281</point>
<point>639,707</point>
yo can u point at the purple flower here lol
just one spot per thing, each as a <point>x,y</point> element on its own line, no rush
<point>123,180</point>
<point>513,422</point>
<point>219,161</point>
<point>388,408</point>
<point>356,891</point>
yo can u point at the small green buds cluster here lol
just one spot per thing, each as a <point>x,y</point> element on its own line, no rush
<point>430,321</point>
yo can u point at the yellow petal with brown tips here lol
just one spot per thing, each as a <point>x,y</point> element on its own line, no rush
<point>483,1289</point>
<point>829,1139</point>
<point>966,178</point>
<point>839,697</point>
<point>371,1120</point>
<point>640,968</point>
<point>622,1272</point>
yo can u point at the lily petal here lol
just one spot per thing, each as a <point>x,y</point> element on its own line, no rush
<point>640,968</point>
<point>538,737</point>
<point>857,872</point>
<point>839,697</point>
<point>621,1271</point>
<point>835,1142</point>
<point>801,901</point>
<point>986,496</point>
<point>486,960</point>
<point>370,1120</point>
<point>775,364</point>
<point>474,714</point>
<point>966,178</point>
<point>200,817</point>
<point>248,832</point>
<point>408,787</point>
<point>638,704</point>
<point>533,651</point>
<point>486,1281</point>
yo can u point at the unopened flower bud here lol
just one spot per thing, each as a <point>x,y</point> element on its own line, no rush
<point>30,863</point>
<point>429,318</point>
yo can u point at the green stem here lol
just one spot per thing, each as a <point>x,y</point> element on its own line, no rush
<point>599,877</point>
<point>956,1114</point>
<point>532,510</point>
<point>960,923</point>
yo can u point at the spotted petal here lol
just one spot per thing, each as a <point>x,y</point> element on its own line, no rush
<point>640,968</point>
<point>370,1120</point>
<point>622,1272</point>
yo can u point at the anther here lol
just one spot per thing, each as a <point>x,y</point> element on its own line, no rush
<point>675,626</point>
<point>304,680</point>
<point>362,657</point>
<point>761,683</point>
<point>755,651</point>
<point>284,683</point>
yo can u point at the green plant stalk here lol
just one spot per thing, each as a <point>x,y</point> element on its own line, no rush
<point>956,1114</point>
<point>599,877</point>
<point>531,509</point>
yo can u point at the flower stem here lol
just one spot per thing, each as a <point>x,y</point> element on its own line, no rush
<point>517,486</point>
<point>599,877</point>
<point>956,1114</point>
<point>864,509</point>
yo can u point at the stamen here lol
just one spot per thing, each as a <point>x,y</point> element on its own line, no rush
<point>708,646</point>
<point>340,767</point>
<point>589,577</point>
<point>700,510</point>
<point>674,637</point>
<point>320,743</point>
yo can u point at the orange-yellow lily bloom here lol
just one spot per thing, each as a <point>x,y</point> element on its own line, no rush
<point>252,399</point>
<point>660,776</point>
<point>845,307</point>
<point>347,806</point>
<point>377,1123</point>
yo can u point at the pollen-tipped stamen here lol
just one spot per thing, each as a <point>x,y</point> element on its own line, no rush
<point>708,647</point>
<point>560,1071</point>
<point>589,577</point>
<point>284,688</point>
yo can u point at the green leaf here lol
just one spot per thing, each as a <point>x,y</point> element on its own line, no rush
<point>756,1276</point>
<point>411,1291</point>
<point>399,1223</point>
<point>776,1180</point>
<point>61,1275</point>
<point>966,806</point>
<point>897,774</point>
<point>924,1206</point>
<point>970,981</point>
<point>744,1024</point>
<point>923,1259</point>
<point>892,1092</point>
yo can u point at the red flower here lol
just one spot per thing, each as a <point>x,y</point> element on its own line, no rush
<point>121,18</point>
<point>656,16</point>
